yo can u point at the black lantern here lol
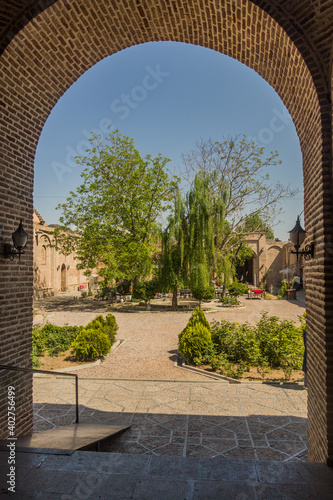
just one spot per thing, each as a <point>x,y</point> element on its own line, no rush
<point>297,237</point>
<point>20,238</point>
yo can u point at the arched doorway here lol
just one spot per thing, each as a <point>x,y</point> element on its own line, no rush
<point>63,281</point>
<point>246,271</point>
<point>42,58</point>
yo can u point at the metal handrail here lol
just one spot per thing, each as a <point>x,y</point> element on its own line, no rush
<point>35,370</point>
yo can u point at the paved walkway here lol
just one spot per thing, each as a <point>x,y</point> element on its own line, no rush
<point>184,419</point>
<point>151,338</point>
<point>91,476</point>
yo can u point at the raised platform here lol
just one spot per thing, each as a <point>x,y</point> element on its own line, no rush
<point>66,439</point>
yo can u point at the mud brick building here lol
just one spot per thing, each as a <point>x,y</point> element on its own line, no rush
<point>45,45</point>
<point>269,258</point>
<point>54,273</point>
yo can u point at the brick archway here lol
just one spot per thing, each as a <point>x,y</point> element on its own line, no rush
<point>49,44</point>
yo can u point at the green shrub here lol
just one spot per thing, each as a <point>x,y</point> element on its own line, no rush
<point>229,301</point>
<point>237,341</point>
<point>35,358</point>
<point>106,292</point>
<point>193,341</point>
<point>210,357</point>
<point>51,339</point>
<point>203,292</point>
<point>272,343</point>
<point>283,289</point>
<point>145,290</point>
<point>198,316</point>
<point>280,342</point>
<point>223,337</point>
<point>108,326</point>
<point>91,344</point>
<point>235,289</point>
<point>39,340</point>
<point>246,348</point>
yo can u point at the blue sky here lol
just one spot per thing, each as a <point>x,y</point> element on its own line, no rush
<point>166,95</point>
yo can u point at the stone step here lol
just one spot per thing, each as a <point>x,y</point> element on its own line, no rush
<point>66,439</point>
<point>102,476</point>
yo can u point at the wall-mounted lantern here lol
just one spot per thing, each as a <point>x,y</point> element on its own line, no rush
<point>58,267</point>
<point>297,237</point>
<point>20,239</point>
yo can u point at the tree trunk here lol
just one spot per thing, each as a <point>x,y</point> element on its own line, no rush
<point>174,306</point>
<point>199,304</point>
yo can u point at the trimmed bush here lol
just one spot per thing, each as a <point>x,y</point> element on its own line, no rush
<point>198,316</point>
<point>203,292</point>
<point>52,340</point>
<point>91,344</point>
<point>108,326</point>
<point>193,341</point>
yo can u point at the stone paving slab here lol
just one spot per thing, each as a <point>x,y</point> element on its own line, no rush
<point>184,419</point>
<point>117,476</point>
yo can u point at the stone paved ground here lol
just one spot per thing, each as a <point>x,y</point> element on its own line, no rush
<point>188,415</point>
<point>184,419</point>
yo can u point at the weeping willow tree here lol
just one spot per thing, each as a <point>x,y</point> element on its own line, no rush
<point>172,265</point>
<point>188,252</point>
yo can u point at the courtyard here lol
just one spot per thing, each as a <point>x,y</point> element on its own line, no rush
<point>172,411</point>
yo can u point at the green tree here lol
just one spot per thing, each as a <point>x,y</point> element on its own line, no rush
<point>145,290</point>
<point>242,167</point>
<point>201,285</point>
<point>172,268</point>
<point>254,223</point>
<point>114,214</point>
<point>188,242</point>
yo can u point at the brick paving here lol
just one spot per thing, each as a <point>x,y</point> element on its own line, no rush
<point>184,419</point>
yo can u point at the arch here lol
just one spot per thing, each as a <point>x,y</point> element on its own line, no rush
<point>43,255</point>
<point>63,278</point>
<point>274,247</point>
<point>275,261</point>
<point>48,45</point>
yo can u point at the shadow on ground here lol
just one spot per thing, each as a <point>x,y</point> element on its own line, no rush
<point>255,437</point>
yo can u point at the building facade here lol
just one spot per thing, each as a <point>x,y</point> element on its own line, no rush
<point>269,258</point>
<point>54,272</point>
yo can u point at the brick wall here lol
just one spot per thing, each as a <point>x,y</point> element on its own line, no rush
<point>288,43</point>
